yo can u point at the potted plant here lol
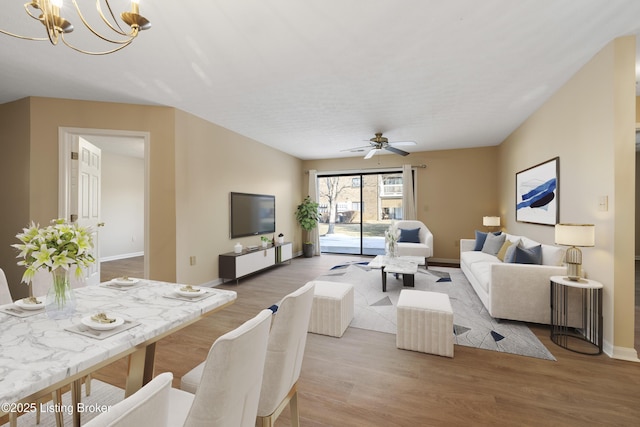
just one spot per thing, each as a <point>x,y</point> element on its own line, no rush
<point>307,217</point>
<point>265,241</point>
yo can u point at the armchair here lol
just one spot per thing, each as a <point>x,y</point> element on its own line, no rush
<point>422,246</point>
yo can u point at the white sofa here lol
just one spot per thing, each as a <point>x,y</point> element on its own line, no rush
<point>513,291</point>
<point>423,248</point>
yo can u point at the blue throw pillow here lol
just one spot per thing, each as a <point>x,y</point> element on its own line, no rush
<point>410,236</point>
<point>481,237</point>
<point>531,255</point>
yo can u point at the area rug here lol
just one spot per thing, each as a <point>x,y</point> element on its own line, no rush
<point>102,396</point>
<point>473,326</point>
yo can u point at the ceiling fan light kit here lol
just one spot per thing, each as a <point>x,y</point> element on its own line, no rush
<point>379,143</point>
<point>48,12</point>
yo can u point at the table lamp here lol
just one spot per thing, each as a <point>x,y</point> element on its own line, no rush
<point>491,221</point>
<point>574,235</point>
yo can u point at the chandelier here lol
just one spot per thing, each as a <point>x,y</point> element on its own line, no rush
<point>48,12</point>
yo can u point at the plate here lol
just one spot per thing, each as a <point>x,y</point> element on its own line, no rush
<point>26,306</point>
<point>188,294</point>
<point>122,281</point>
<point>87,321</point>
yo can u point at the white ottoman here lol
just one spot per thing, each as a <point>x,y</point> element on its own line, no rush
<point>425,322</point>
<point>332,308</point>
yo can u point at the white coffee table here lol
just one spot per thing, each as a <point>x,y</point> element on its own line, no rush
<point>405,265</point>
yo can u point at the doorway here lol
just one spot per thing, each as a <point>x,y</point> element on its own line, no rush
<point>356,209</point>
<point>123,147</point>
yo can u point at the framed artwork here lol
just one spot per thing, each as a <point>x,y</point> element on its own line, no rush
<point>537,195</point>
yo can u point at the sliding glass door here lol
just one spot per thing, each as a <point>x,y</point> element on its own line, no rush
<point>356,209</point>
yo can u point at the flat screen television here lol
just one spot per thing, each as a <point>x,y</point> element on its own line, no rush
<point>252,214</point>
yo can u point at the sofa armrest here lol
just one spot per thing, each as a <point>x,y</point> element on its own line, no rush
<point>521,291</point>
<point>467,245</point>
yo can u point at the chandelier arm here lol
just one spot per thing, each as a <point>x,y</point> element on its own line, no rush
<point>131,36</point>
<point>106,21</point>
<point>106,52</point>
<point>39,39</point>
<point>26,7</point>
<point>47,20</point>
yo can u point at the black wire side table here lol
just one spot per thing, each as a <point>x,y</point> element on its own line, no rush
<point>576,314</point>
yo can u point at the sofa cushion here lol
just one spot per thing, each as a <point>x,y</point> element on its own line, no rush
<point>493,243</point>
<point>409,236</point>
<point>510,254</point>
<point>552,255</point>
<point>471,257</point>
<point>482,273</point>
<point>480,239</point>
<point>531,255</point>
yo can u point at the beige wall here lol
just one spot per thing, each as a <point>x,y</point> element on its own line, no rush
<point>14,182</point>
<point>191,208</point>
<point>211,162</point>
<point>589,123</point>
<point>454,191</point>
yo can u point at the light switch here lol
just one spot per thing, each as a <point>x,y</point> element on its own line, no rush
<point>603,203</point>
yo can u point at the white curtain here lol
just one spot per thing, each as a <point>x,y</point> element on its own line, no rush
<point>408,198</point>
<point>314,236</point>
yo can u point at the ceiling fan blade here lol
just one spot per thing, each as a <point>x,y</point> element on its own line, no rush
<point>401,143</point>
<point>354,149</point>
<point>396,150</point>
<point>371,153</point>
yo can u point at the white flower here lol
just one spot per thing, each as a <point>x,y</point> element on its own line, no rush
<point>59,245</point>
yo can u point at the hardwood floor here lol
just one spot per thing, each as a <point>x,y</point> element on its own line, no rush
<point>362,379</point>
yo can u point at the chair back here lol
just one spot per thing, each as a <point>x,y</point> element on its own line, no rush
<point>229,390</point>
<point>149,406</point>
<point>5,293</point>
<point>287,341</point>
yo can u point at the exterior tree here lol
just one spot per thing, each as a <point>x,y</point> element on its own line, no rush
<point>334,186</point>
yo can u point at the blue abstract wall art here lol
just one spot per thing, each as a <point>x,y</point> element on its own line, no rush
<point>537,193</point>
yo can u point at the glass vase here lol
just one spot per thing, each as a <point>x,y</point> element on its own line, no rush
<point>392,249</point>
<point>61,301</point>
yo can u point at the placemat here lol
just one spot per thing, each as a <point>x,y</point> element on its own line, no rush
<point>207,294</point>
<point>116,286</point>
<point>100,335</point>
<point>18,312</point>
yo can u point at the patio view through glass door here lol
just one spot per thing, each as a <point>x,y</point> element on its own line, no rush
<point>356,209</point>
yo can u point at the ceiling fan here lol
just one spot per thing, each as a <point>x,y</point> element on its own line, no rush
<point>379,143</point>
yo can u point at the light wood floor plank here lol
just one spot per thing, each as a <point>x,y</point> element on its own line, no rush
<point>362,379</point>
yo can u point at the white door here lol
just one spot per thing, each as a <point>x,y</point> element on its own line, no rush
<point>85,189</point>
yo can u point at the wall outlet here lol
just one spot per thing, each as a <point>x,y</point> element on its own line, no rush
<point>192,260</point>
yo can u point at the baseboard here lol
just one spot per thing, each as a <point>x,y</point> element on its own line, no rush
<point>624,353</point>
<point>121,256</point>
<point>444,261</point>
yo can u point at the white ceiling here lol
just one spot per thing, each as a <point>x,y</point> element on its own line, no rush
<point>315,77</point>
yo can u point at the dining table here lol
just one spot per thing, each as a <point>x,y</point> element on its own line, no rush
<point>39,354</point>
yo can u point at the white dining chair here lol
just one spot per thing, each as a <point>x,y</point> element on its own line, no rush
<point>149,406</point>
<point>230,389</point>
<point>287,341</point>
<point>5,293</point>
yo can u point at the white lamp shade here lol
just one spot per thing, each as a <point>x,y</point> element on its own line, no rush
<point>576,234</point>
<point>491,221</point>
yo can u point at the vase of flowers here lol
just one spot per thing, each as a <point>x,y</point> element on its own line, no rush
<point>391,236</point>
<point>59,249</point>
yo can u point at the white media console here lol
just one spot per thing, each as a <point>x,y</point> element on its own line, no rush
<point>233,266</point>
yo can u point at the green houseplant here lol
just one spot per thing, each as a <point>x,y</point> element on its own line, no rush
<point>307,217</point>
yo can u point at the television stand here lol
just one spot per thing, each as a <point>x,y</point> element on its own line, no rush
<point>233,266</point>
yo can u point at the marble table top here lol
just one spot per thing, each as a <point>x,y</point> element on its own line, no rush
<point>37,352</point>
